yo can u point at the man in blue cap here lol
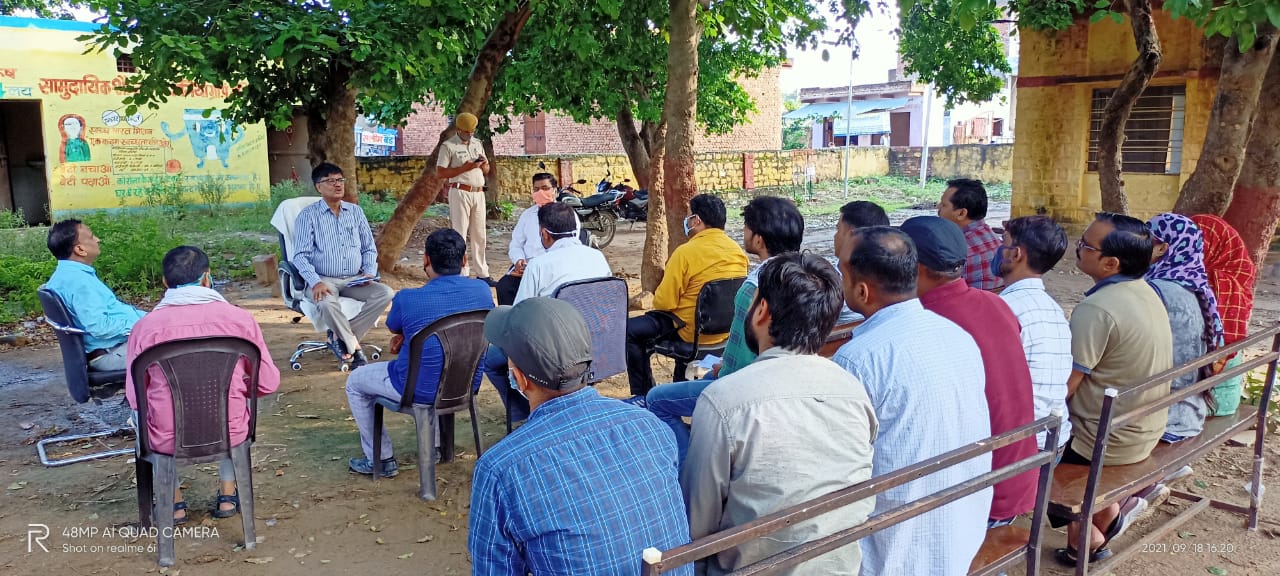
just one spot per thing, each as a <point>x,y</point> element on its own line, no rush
<point>941,250</point>
<point>536,498</point>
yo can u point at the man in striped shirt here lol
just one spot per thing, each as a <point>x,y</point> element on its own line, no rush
<point>1032,246</point>
<point>334,252</point>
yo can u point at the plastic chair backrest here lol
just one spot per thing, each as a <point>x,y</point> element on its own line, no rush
<point>603,304</point>
<point>75,364</point>
<point>714,312</point>
<point>461,337</point>
<point>199,372</point>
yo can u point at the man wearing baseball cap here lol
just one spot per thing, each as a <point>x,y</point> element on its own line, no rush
<point>461,160</point>
<point>536,502</point>
<point>941,250</point>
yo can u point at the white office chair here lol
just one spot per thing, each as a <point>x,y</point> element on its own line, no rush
<point>294,288</point>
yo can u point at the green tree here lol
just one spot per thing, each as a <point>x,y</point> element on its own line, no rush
<point>1238,172</point>
<point>301,54</point>
<point>38,8</point>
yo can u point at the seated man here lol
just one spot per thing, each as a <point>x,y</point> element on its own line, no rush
<point>446,292</point>
<point>566,260</point>
<point>334,251</point>
<point>526,240</point>
<point>854,215</point>
<point>925,380</point>
<point>1120,337</point>
<point>790,427</point>
<point>710,254</point>
<point>771,226</point>
<point>964,202</point>
<point>941,249</point>
<point>192,309</point>
<point>93,307</point>
<point>537,499</point>
<point>1032,246</point>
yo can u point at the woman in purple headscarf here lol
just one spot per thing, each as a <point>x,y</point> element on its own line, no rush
<point>1177,273</point>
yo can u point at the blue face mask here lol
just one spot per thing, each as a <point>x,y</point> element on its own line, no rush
<point>687,229</point>
<point>198,281</point>
<point>997,261</point>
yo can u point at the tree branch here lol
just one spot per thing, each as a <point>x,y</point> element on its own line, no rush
<point>1116,114</point>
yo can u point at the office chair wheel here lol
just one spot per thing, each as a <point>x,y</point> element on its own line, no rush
<point>344,367</point>
<point>375,356</point>
<point>296,366</point>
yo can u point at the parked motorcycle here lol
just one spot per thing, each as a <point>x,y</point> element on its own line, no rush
<point>634,203</point>
<point>598,212</point>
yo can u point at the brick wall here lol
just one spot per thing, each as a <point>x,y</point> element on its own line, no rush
<point>763,131</point>
<point>715,171</point>
<point>986,162</point>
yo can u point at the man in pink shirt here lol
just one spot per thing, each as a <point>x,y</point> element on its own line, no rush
<point>192,309</point>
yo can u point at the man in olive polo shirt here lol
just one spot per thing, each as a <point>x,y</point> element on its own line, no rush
<point>1120,337</point>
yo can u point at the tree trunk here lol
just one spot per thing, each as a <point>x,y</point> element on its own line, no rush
<point>635,144</point>
<point>331,130</point>
<point>492,187</point>
<point>1116,115</point>
<point>653,260</point>
<point>1255,206</point>
<point>479,90</point>
<point>680,111</point>
<point>1208,190</point>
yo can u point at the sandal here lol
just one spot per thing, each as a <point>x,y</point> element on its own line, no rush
<point>218,512</point>
<point>1069,557</point>
<point>180,507</point>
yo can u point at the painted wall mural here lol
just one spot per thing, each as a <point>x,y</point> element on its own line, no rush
<point>97,155</point>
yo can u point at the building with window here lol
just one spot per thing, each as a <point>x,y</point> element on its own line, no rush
<point>1065,83</point>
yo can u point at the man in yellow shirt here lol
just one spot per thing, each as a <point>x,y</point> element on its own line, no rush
<point>708,255</point>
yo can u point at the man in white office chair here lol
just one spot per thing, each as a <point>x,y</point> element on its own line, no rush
<point>334,251</point>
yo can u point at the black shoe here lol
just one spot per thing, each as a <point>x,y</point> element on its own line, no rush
<point>489,281</point>
<point>358,359</point>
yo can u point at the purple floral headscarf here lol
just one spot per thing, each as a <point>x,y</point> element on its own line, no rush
<point>1183,264</point>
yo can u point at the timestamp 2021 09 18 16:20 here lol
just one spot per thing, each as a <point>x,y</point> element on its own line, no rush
<point>1188,548</point>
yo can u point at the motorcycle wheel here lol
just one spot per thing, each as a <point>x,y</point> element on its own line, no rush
<point>602,224</point>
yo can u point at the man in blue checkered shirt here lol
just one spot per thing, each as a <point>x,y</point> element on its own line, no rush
<point>588,482</point>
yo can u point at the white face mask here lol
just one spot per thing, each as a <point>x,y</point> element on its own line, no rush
<point>687,228</point>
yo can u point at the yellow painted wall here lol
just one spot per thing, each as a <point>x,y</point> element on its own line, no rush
<point>715,171</point>
<point>98,156</point>
<point>1051,146</point>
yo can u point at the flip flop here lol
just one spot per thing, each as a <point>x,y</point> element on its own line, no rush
<point>1069,557</point>
<point>180,506</point>
<point>218,512</point>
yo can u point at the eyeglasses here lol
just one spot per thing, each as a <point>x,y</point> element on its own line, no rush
<point>333,181</point>
<point>1081,245</point>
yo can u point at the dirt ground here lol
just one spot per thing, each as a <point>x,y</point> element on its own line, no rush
<point>315,517</point>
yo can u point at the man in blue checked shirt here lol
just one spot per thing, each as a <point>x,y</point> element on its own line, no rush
<point>334,251</point>
<point>95,309</point>
<point>588,482</point>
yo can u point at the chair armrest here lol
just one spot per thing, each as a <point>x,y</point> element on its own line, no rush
<point>64,329</point>
<point>680,324</point>
<point>299,283</point>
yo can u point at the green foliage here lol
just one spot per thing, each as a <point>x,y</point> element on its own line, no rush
<point>375,210</point>
<point>10,219</point>
<point>794,135</point>
<point>213,193</point>
<point>287,189</point>
<point>970,64</point>
<point>278,55</point>
<point>38,8</point>
<point>1253,384</point>
<point>19,279</point>
<point>508,209</point>
<point>167,195</point>
<point>133,245</point>
<point>1238,18</point>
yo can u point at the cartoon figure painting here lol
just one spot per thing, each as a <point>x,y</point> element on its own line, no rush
<point>211,138</point>
<point>74,148</point>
